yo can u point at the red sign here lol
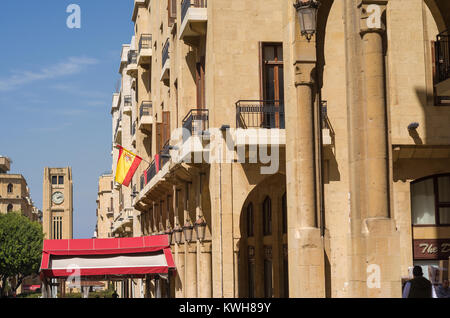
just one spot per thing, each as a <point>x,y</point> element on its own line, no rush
<point>432,249</point>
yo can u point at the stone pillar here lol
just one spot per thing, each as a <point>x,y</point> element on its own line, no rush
<point>306,253</point>
<point>372,34</point>
<point>205,270</point>
<point>191,270</point>
<point>180,285</point>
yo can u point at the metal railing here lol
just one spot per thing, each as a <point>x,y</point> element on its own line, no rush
<point>165,52</point>
<point>196,121</point>
<point>186,4</point>
<point>260,114</point>
<point>145,109</point>
<point>443,56</point>
<point>132,57</point>
<point>133,129</point>
<point>145,42</point>
<point>164,155</point>
<point>127,100</point>
<point>117,125</point>
<point>326,124</point>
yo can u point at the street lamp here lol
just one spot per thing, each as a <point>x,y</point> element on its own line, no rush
<point>177,232</point>
<point>187,229</point>
<point>307,15</point>
<point>200,228</point>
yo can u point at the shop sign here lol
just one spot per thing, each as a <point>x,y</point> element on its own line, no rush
<point>432,249</point>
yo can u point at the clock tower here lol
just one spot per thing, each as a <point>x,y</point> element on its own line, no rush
<point>57,203</point>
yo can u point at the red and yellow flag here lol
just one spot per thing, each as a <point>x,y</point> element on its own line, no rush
<point>126,166</point>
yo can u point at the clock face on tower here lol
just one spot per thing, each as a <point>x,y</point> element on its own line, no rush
<point>58,198</point>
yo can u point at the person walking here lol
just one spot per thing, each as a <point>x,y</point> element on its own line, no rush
<point>115,295</point>
<point>419,286</point>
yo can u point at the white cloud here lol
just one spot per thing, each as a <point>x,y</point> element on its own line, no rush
<point>73,65</point>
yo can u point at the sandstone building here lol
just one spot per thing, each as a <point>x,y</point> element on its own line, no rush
<point>353,115</point>
<point>57,203</point>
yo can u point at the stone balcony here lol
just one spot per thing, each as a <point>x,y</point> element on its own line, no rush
<point>194,18</point>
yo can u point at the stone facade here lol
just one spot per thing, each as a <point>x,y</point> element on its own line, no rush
<point>105,210</point>
<point>354,118</point>
<point>57,203</point>
<point>14,193</point>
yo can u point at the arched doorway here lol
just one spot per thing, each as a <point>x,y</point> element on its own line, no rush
<point>263,244</point>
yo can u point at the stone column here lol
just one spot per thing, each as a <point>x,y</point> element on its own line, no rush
<point>205,270</point>
<point>306,253</point>
<point>372,34</point>
<point>190,251</point>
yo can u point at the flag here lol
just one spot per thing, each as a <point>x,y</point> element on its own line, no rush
<point>126,166</point>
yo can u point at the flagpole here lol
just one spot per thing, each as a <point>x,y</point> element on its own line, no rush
<point>119,146</point>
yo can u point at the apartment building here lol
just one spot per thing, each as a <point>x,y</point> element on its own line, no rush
<point>105,206</point>
<point>289,151</point>
<point>14,193</point>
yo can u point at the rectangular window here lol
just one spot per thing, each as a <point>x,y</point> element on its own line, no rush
<point>200,83</point>
<point>430,201</point>
<point>423,208</point>
<point>272,84</point>
<point>57,228</point>
<point>54,180</point>
<point>61,180</point>
<point>172,10</point>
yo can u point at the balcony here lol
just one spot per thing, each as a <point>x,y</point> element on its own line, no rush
<point>165,72</point>
<point>145,116</point>
<point>133,134</point>
<point>109,212</point>
<point>260,122</point>
<point>145,49</point>
<point>118,130</point>
<point>443,64</point>
<point>123,225</point>
<point>327,130</point>
<point>132,67</point>
<point>195,136</point>
<point>194,18</point>
<point>127,105</point>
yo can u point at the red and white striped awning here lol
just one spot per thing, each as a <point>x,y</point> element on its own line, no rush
<point>131,257</point>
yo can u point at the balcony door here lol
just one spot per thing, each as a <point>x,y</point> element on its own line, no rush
<point>272,85</point>
<point>200,83</point>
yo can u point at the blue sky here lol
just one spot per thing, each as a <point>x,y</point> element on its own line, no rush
<point>56,87</point>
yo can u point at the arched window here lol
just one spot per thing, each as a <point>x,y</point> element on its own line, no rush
<point>10,188</point>
<point>267,216</point>
<point>10,208</point>
<point>250,221</point>
<point>430,200</point>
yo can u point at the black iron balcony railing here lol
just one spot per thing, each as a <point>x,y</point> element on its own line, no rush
<point>186,4</point>
<point>132,57</point>
<point>145,109</point>
<point>165,52</point>
<point>443,56</point>
<point>326,124</point>
<point>127,101</point>
<point>196,121</point>
<point>145,42</point>
<point>164,155</point>
<point>260,114</point>
<point>117,125</point>
<point>133,129</point>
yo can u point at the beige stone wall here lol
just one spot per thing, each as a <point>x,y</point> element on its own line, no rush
<point>65,210</point>
<point>105,210</point>
<point>365,214</point>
